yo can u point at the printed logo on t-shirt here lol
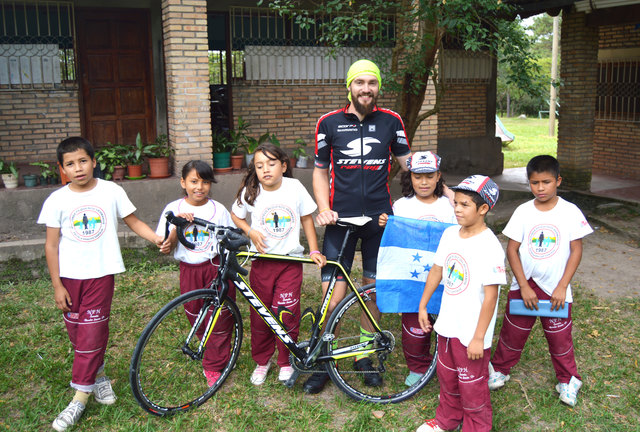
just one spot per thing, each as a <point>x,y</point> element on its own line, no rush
<point>199,237</point>
<point>277,221</point>
<point>455,275</point>
<point>88,223</point>
<point>430,218</point>
<point>543,241</point>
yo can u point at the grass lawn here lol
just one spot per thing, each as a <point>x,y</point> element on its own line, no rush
<point>532,139</point>
<point>36,360</point>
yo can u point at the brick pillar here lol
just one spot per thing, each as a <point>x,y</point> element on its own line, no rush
<point>579,51</point>
<point>184,27</point>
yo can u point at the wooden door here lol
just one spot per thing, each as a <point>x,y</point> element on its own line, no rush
<point>116,79</point>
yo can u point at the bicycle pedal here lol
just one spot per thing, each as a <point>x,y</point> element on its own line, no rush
<point>292,380</point>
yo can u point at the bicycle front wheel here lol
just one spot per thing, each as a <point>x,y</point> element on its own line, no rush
<point>167,367</point>
<point>388,361</point>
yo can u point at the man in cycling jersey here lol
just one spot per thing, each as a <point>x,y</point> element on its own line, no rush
<point>351,178</point>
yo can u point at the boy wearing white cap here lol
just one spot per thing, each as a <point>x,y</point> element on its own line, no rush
<point>470,263</point>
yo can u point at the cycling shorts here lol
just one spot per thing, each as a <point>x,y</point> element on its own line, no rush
<point>370,235</point>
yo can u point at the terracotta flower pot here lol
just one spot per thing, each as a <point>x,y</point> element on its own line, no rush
<point>236,161</point>
<point>134,171</point>
<point>119,172</point>
<point>159,167</point>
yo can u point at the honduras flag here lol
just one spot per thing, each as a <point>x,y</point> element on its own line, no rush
<point>404,260</point>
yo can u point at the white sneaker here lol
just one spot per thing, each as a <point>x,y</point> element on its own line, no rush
<point>69,416</point>
<point>430,426</point>
<point>259,375</point>
<point>285,373</point>
<point>103,392</point>
<point>497,379</point>
<point>569,392</point>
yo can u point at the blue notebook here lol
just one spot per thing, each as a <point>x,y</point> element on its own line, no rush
<point>517,307</point>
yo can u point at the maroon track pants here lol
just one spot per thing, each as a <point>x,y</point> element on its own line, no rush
<point>464,388</point>
<point>276,284</point>
<point>416,344</point>
<point>88,327</point>
<point>515,332</point>
<point>218,349</point>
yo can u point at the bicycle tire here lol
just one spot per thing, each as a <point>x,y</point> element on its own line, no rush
<point>344,323</point>
<point>164,380</point>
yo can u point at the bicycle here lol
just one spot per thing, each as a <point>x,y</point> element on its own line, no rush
<point>166,373</point>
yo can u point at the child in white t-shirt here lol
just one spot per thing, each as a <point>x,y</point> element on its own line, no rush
<point>544,251</point>
<point>198,267</point>
<point>423,198</point>
<point>470,263</point>
<point>83,255</point>
<point>279,205</point>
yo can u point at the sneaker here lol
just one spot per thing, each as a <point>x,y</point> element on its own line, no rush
<point>103,392</point>
<point>315,383</point>
<point>285,373</point>
<point>69,416</point>
<point>412,378</point>
<point>497,379</point>
<point>569,392</point>
<point>430,426</point>
<point>371,379</point>
<point>259,374</point>
<point>211,376</point>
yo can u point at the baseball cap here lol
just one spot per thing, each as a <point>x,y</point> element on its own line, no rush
<point>423,162</point>
<point>483,185</point>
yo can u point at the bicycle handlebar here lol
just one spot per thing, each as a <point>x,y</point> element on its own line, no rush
<point>230,238</point>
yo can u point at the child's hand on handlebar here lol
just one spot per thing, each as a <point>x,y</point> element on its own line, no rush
<point>187,216</point>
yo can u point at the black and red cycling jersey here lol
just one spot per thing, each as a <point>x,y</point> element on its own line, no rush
<point>358,156</point>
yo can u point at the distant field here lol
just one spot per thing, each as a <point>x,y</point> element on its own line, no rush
<point>532,139</point>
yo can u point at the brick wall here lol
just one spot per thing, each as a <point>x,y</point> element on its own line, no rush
<point>32,123</point>
<point>616,147</point>
<point>292,112</point>
<point>579,52</point>
<point>463,110</point>
<point>619,36</point>
<point>612,158</point>
<point>184,27</point>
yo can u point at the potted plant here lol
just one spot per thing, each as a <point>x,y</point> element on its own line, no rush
<point>112,160</point>
<point>135,158</point>
<point>252,144</point>
<point>221,153</point>
<point>9,173</point>
<point>300,154</point>
<point>48,172</point>
<point>158,154</point>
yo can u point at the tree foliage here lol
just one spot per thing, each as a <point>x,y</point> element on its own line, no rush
<point>420,27</point>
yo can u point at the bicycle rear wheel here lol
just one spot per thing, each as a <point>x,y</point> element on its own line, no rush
<point>166,372</point>
<point>389,361</point>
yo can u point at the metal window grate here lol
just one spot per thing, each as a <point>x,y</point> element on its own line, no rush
<point>37,45</point>
<point>618,91</point>
<point>278,51</point>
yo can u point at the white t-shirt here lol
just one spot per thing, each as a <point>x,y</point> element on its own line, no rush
<point>545,239</point>
<point>205,241</point>
<point>276,214</point>
<point>88,223</point>
<point>468,264</point>
<point>438,211</point>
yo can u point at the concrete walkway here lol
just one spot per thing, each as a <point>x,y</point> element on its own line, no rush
<point>21,237</point>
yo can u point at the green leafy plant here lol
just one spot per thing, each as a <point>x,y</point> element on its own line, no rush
<point>136,152</point>
<point>8,168</point>
<point>240,138</point>
<point>220,142</point>
<point>111,156</point>
<point>301,149</point>
<point>159,148</point>
<point>47,170</point>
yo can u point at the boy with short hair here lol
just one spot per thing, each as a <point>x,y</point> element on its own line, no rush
<point>544,251</point>
<point>470,262</point>
<point>83,254</point>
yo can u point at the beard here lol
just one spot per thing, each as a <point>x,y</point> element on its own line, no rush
<point>367,109</point>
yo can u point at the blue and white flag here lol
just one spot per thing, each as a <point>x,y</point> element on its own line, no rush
<point>404,260</point>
